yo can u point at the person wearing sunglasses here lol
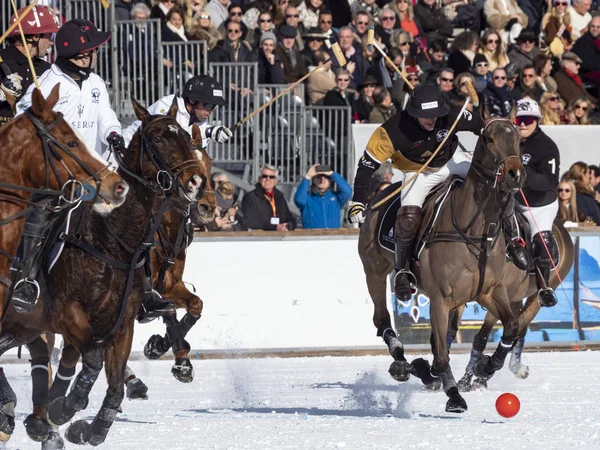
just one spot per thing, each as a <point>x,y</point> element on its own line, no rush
<point>369,6</point>
<point>234,48</point>
<point>326,22</point>
<point>505,15</point>
<point>386,26</point>
<point>569,82</point>
<point>492,47</point>
<point>361,21</point>
<point>552,109</point>
<point>294,67</point>
<point>15,75</point>
<point>497,97</point>
<point>292,18</point>
<point>218,11</point>
<point>265,24</point>
<point>567,203</point>
<point>203,30</point>
<point>538,200</point>
<point>265,207</point>
<point>578,112</point>
<point>525,50</point>
<point>528,86</point>
<point>587,206</point>
<point>579,11</point>
<point>314,41</point>
<point>480,73</point>
<point>556,28</point>
<point>310,11</point>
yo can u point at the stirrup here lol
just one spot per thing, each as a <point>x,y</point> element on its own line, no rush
<point>412,280</point>
<point>547,297</point>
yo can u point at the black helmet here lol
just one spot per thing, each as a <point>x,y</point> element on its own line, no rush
<point>427,101</point>
<point>204,88</point>
<point>78,36</point>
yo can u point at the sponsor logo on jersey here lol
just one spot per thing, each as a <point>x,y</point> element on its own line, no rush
<point>83,124</point>
<point>526,158</point>
<point>80,110</point>
<point>95,95</point>
<point>439,137</point>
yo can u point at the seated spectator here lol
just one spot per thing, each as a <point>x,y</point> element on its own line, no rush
<point>326,23</point>
<point>279,12</point>
<point>587,48</point>
<point>460,93</point>
<point>319,204</point>
<point>369,6</point>
<point>364,102</point>
<point>270,67</point>
<point>321,81</point>
<point>412,75</point>
<point>292,18</point>
<point>234,14</point>
<point>174,31</point>
<point>444,80</point>
<point>406,16</point>
<point>355,61</point>
<point>570,86</point>
<point>387,23</point>
<point>227,216</point>
<point>403,41</point>
<point>556,28</point>
<point>191,8</point>
<point>543,69</point>
<point>341,12</point>
<point>313,42</point>
<point>480,73</point>
<point>578,112</point>
<point>203,30</point>
<point>595,181</point>
<point>463,51</point>
<point>492,47</point>
<point>552,109</point>
<point>431,61</point>
<point>431,20</point>
<point>506,17</point>
<point>265,208</point>
<point>254,9</point>
<point>293,64</point>
<point>567,203</point>
<point>340,95</point>
<point>580,17</point>
<point>217,9</point>
<point>161,8</point>
<point>579,174</point>
<point>464,14</point>
<point>497,98</point>
<point>529,87</point>
<point>512,76</point>
<point>383,108</point>
<point>233,48</point>
<point>361,20</point>
<point>389,78</point>
<point>265,23</point>
<point>309,12</point>
<point>523,53</point>
<point>381,179</point>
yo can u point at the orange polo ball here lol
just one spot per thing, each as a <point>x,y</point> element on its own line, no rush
<point>508,405</point>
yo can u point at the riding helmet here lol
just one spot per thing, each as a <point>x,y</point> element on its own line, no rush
<point>204,88</point>
<point>79,36</point>
<point>427,101</point>
<point>37,21</point>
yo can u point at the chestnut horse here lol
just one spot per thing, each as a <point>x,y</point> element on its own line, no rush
<point>94,290</point>
<point>464,259</point>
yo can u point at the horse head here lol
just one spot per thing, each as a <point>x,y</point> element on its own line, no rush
<point>497,155</point>
<point>46,151</point>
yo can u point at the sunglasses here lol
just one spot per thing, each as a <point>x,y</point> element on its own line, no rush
<point>561,4</point>
<point>528,75</point>
<point>413,78</point>
<point>499,78</point>
<point>525,120</point>
<point>236,14</point>
<point>369,86</point>
<point>387,18</point>
<point>168,1</point>
<point>564,190</point>
<point>553,99</point>
<point>234,31</point>
<point>362,23</point>
<point>265,20</point>
<point>404,43</point>
<point>492,41</point>
<point>295,16</point>
<point>530,41</point>
<point>328,22</point>
<point>269,177</point>
<point>447,80</point>
<point>584,108</point>
<point>205,16</point>
<point>343,79</point>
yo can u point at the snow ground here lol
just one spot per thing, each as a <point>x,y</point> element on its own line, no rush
<point>341,402</point>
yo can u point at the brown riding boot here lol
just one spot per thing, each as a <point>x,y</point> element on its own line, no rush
<point>408,222</point>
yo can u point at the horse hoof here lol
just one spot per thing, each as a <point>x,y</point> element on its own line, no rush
<point>480,367</point>
<point>54,442</point>
<point>55,412</point>
<point>154,347</point>
<point>464,384</point>
<point>520,371</point>
<point>455,403</point>
<point>7,425</point>
<point>137,390</point>
<point>435,386</point>
<point>400,370</point>
<point>479,383</point>
<point>37,429</point>
<point>183,370</point>
<point>78,432</point>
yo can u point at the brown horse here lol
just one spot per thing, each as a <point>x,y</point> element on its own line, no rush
<point>464,259</point>
<point>96,287</point>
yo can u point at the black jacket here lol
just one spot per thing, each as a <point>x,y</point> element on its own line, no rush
<point>586,49</point>
<point>431,21</point>
<point>224,52</point>
<point>498,101</point>
<point>587,206</point>
<point>16,62</point>
<point>258,212</point>
<point>458,62</point>
<point>541,159</point>
<point>269,73</point>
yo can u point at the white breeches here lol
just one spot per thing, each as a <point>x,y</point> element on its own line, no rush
<point>540,218</point>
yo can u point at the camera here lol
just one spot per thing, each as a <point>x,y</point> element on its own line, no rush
<point>323,168</point>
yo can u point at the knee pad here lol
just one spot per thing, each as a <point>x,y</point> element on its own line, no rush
<point>408,221</point>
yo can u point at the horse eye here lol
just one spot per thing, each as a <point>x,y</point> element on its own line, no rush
<point>72,144</point>
<point>489,140</point>
<point>156,139</point>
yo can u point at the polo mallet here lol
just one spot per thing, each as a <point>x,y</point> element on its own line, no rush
<point>14,5</point>
<point>370,38</point>
<point>387,58</point>
<point>410,180</point>
<point>18,21</point>
<point>339,56</point>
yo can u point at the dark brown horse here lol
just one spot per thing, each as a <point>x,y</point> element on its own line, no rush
<point>94,290</point>
<point>464,259</point>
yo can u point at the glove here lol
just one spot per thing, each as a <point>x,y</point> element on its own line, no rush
<point>356,213</point>
<point>115,140</point>
<point>219,134</point>
<point>11,85</point>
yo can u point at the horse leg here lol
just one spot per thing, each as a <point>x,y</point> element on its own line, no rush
<point>136,388</point>
<point>65,373</point>
<point>36,424</point>
<point>479,344</point>
<point>515,365</point>
<point>8,402</point>
<point>81,432</point>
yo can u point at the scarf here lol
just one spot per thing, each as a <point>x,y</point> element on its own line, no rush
<point>179,32</point>
<point>597,43</point>
<point>574,77</point>
<point>163,8</point>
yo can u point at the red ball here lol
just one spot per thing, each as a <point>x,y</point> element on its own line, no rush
<point>508,405</point>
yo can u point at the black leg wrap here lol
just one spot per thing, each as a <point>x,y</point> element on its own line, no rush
<point>422,369</point>
<point>8,402</point>
<point>174,335</point>
<point>62,381</point>
<point>101,425</point>
<point>186,323</point>
<point>396,348</point>
<point>488,365</point>
<point>39,377</point>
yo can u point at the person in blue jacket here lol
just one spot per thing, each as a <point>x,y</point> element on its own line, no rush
<point>321,206</point>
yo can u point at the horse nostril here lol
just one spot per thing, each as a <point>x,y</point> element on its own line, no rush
<point>512,174</point>
<point>194,181</point>
<point>121,190</point>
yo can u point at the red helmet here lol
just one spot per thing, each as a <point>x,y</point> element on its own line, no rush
<point>38,21</point>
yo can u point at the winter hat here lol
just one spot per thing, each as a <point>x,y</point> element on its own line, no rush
<point>528,107</point>
<point>286,31</point>
<point>479,58</point>
<point>268,35</point>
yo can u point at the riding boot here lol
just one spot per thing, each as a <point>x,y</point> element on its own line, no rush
<point>153,305</point>
<point>27,290</point>
<point>543,266</point>
<point>408,222</point>
<point>516,247</point>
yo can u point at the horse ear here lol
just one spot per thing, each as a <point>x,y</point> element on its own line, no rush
<point>140,112</point>
<point>38,103</point>
<point>173,109</point>
<point>196,134</point>
<point>52,99</point>
<point>486,114</point>
<point>513,113</point>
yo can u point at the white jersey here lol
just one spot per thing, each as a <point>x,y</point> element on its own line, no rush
<point>162,107</point>
<point>86,109</point>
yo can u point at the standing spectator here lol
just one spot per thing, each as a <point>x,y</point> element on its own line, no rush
<point>506,17</point>
<point>161,9</point>
<point>578,111</point>
<point>203,30</point>
<point>525,51</point>
<point>292,18</point>
<point>587,48</point>
<point>326,22</point>
<point>387,23</point>
<point>492,47</point>
<point>463,51</point>
<point>529,87</point>
<point>340,95</point>
<point>270,67</point>
<point>535,10</point>
<point>556,27</point>
<point>383,108</point>
<point>233,48</point>
<point>552,109</point>
<point>567,206</point>
<point>320,206</point>
<point>568,80</point>
<point>293,64</point>
<point>580,17</point>
<point>431,20</point>
<point>309,12</point>
<point>355,61</point>
<point>321,80</point>
<point>265,208</point>
<point>543,69</point>
<point>217,9</point>
<point>174,31</point>
<point>364,102</point>
<point>579,174</point>
<point>406,16</point>
<point>498,99</point>
<point>481,76</point>
<point>313,43</point>
<point>445,80</point>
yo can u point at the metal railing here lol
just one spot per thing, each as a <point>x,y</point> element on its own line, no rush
<point>185,60</point>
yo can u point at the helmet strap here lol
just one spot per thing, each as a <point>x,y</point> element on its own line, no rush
<point>70,68</point>
<point>192,112</point>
